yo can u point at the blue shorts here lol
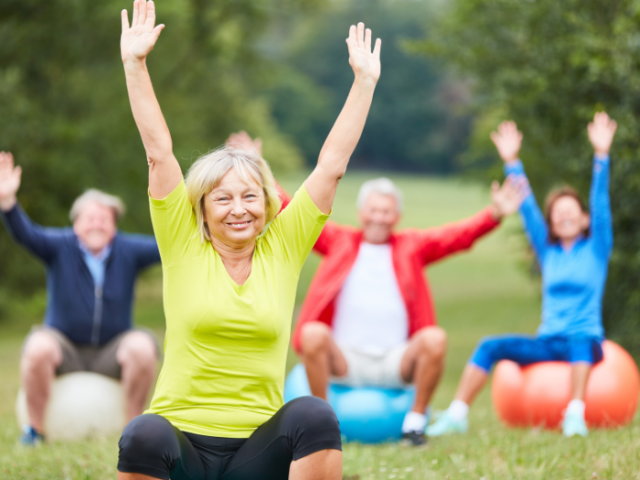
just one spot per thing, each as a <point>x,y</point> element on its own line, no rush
<point>525,350</point>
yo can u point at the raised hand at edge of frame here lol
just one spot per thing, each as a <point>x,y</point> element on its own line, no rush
<point>243,141</point>
<point>508,140</point>
<point>10,177</point>
<point>601,132</point>
<point>364,62</point>
<point>508,197</point>
<point>139,39</point>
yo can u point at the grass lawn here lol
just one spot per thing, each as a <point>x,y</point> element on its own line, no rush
<point>484,292</point>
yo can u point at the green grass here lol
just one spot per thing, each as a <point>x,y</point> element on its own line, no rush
<point>482,292</point>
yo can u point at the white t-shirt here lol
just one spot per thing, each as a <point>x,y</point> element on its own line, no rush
<point>370,313</point>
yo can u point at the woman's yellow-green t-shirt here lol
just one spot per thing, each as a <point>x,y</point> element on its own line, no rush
<point>226,344</point>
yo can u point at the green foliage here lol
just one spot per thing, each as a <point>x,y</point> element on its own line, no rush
<point>65,111</point>
<point>550,65</point>
<point>413,124</point>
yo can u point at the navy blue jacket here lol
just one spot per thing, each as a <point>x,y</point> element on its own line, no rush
<point>85,314</point>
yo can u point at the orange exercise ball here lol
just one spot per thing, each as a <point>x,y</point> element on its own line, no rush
<point>536,395</point>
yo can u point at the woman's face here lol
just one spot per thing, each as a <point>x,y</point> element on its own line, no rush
<point>235,211</point>
<point>568,221</point>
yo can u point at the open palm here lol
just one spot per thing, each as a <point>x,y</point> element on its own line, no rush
<point>364,61</point>
<point>508,141</point>
<point>601,132</point>
<point>508,197</point>
<point>139,39</point>
<point>10,176</point>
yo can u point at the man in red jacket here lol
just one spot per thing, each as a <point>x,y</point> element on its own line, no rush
<point>368,318</point>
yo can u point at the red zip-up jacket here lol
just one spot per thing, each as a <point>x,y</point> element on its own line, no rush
<point>412,250</point>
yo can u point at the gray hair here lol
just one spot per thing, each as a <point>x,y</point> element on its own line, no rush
<point>379,185</point>
<point>101,198</point>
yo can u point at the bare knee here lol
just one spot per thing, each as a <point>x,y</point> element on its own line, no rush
<point>433,342</point>
<point>315,338</point>
<point>41,351</point>
<point>137,350</point>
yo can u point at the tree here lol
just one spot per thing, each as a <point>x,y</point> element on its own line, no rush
<point>549,66</point>
<point>65,112</point>
<point>414,122</point>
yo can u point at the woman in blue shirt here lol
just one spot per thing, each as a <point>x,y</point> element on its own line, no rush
<point>573,249</point>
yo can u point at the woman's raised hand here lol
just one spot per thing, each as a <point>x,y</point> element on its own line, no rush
<point>601,132</point>
<point>365,63</point>
<point>508,141</point>
<point>243,141</point>
<point>508,198</point>
<point>10,176</point>
<point>139,39</point>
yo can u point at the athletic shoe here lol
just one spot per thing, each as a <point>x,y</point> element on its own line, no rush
<point>574,425</point>
<point>445,425</point>
<point>30,437</point>
<point>413,438</point>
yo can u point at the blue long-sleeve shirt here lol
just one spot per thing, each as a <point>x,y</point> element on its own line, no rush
<point>573,281</point>
<point>87,314</point>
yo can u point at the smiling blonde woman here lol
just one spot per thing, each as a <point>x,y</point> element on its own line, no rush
<point>230,275</point>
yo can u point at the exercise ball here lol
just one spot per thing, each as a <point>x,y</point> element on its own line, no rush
<point>538,394</point>
<point>366,414</point>
<point>81,405</point>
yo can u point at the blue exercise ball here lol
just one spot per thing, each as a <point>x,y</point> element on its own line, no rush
<point>366,414</point>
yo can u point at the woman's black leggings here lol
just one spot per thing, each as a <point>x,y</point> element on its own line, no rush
<point>150,445</point>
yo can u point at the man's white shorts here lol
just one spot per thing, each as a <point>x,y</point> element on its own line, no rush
<point>371,370</point>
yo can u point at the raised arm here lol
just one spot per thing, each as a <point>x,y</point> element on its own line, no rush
<point>601,132</point>
<point>38,240</point>
<point>437,243</point>
<point>136,43</point>
<point>344,136</point>
<point>508,140</point>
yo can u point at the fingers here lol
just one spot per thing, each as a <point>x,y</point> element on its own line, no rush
<point>158,30</point>
<point>376,50</point>
<point>136,13</point>
<point>125,20</point>
<point>360,34</point>
<point>352,36</point>
<point>151,15</point>
<point>367,39</point>
<point>495,186</point>
<point>143,12</point>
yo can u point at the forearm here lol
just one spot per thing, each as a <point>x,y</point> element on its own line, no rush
<point>340,144</point>
<point>164,171</point>
<point>599,199</point>
<point>346,132</point>
<point>7,203</point>
<point>147,113</point>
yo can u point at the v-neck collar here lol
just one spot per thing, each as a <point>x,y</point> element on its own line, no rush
<point>234,284</point>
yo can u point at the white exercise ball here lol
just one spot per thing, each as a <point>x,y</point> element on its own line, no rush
<point>82,404</point>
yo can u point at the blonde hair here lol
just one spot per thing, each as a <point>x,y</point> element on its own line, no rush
<point>101,198</point>
<point>207,172</point>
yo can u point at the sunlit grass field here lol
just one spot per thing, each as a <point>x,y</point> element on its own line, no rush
<point>485,291</point>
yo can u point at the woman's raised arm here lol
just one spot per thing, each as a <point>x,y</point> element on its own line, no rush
<point>344,136</point>
<point>135,44</point>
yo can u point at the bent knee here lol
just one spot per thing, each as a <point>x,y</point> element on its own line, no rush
<point>138,348</point>
<point>434,341</point>
<point>42,347</point>
<point>145,435</point>
<point>315,337</point>
<point>313,415</point>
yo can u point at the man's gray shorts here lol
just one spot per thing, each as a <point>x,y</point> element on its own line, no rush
<point>88,358</point>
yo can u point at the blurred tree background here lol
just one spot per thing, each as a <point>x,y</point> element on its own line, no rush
<point>276,68</point>
<point>549,66</point>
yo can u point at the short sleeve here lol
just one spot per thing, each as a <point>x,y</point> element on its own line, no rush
<point>175,227</point>
<point>295,230</point>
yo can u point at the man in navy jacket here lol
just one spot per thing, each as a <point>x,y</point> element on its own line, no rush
<point>91,273</point>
